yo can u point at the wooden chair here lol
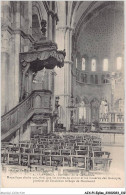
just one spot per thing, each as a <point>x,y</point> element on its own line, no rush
<point>13,159</point>
<point>79,162</point>
<point>81,152</point>
<point>65,152</point>
<point>24,159</point>
<point>34,159</point>
<point>57,161</point>
<point>101,164</point>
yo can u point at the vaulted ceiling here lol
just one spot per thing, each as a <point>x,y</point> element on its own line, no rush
<point>83,11</point>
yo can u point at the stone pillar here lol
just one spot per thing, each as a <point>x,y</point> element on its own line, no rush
<point>25,79</point>
<point>52,125</point>
<point>54,28</point>
<point>17,51</point>
<point>78,115</point>
<point>89,114</point>
<point>49,125</point>
<point>64,35</point>
<point>4,72</point>
<point>4,82</point>
<point>115,118</point>
<point>87,117</point>
<point>30,78</point>
<point>49,26</point>
<point>109,119</point>
<point>29,18</point>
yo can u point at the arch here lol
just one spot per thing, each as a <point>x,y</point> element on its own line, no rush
<point>36,32</point>
<point>35,21</point>
<point>78,99</point>
<point>94,101</point>
<point>37,101</point>
<point>85,100</point>
<point>36,9</point>
<point>87,15</point>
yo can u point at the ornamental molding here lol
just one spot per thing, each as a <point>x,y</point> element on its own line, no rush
<point>43,54</point>
<point>17,31</point>
<point>65,28</point>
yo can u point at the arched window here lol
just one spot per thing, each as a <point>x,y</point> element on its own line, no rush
<point>105,65</point>
<point>119,63</point>
<point>93,65</point>
<point>76,62</point>
<point>36,32</point>
<point>83,63</point>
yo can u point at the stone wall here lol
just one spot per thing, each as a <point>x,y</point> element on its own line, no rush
<point>101,37</point>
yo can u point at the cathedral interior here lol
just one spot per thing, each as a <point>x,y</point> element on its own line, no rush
<point>62,82</point>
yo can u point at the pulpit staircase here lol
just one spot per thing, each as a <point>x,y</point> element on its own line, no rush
<point>42,54</point>
<point>37,102</point>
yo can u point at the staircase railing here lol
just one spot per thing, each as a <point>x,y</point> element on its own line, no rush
<point>38,101</point>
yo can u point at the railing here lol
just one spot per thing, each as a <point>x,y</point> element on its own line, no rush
<point>37,101</point>
<point>84,77</point>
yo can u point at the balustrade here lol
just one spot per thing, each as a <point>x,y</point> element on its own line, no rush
<point>84,77</point>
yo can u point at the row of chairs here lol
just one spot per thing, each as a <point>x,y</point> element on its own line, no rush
<point>54,150</point>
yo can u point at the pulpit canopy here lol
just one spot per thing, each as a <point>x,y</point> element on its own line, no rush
<point>43,54</point>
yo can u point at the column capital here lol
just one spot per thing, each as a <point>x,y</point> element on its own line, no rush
<point>68,61</point>
<point>65,28</point>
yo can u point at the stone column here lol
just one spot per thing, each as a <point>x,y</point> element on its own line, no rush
<point>5,37</point>
<point>89,114</point>
<point>17,51</point>
<point>30,78</point>
<point>54,28</point>
<point>4,72</point>
<point>29,17</point>
<point>49,125</point>
<point>52,125</point>
<point>64,35</point>
<point>25,77</point>
<point>49,26</point>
